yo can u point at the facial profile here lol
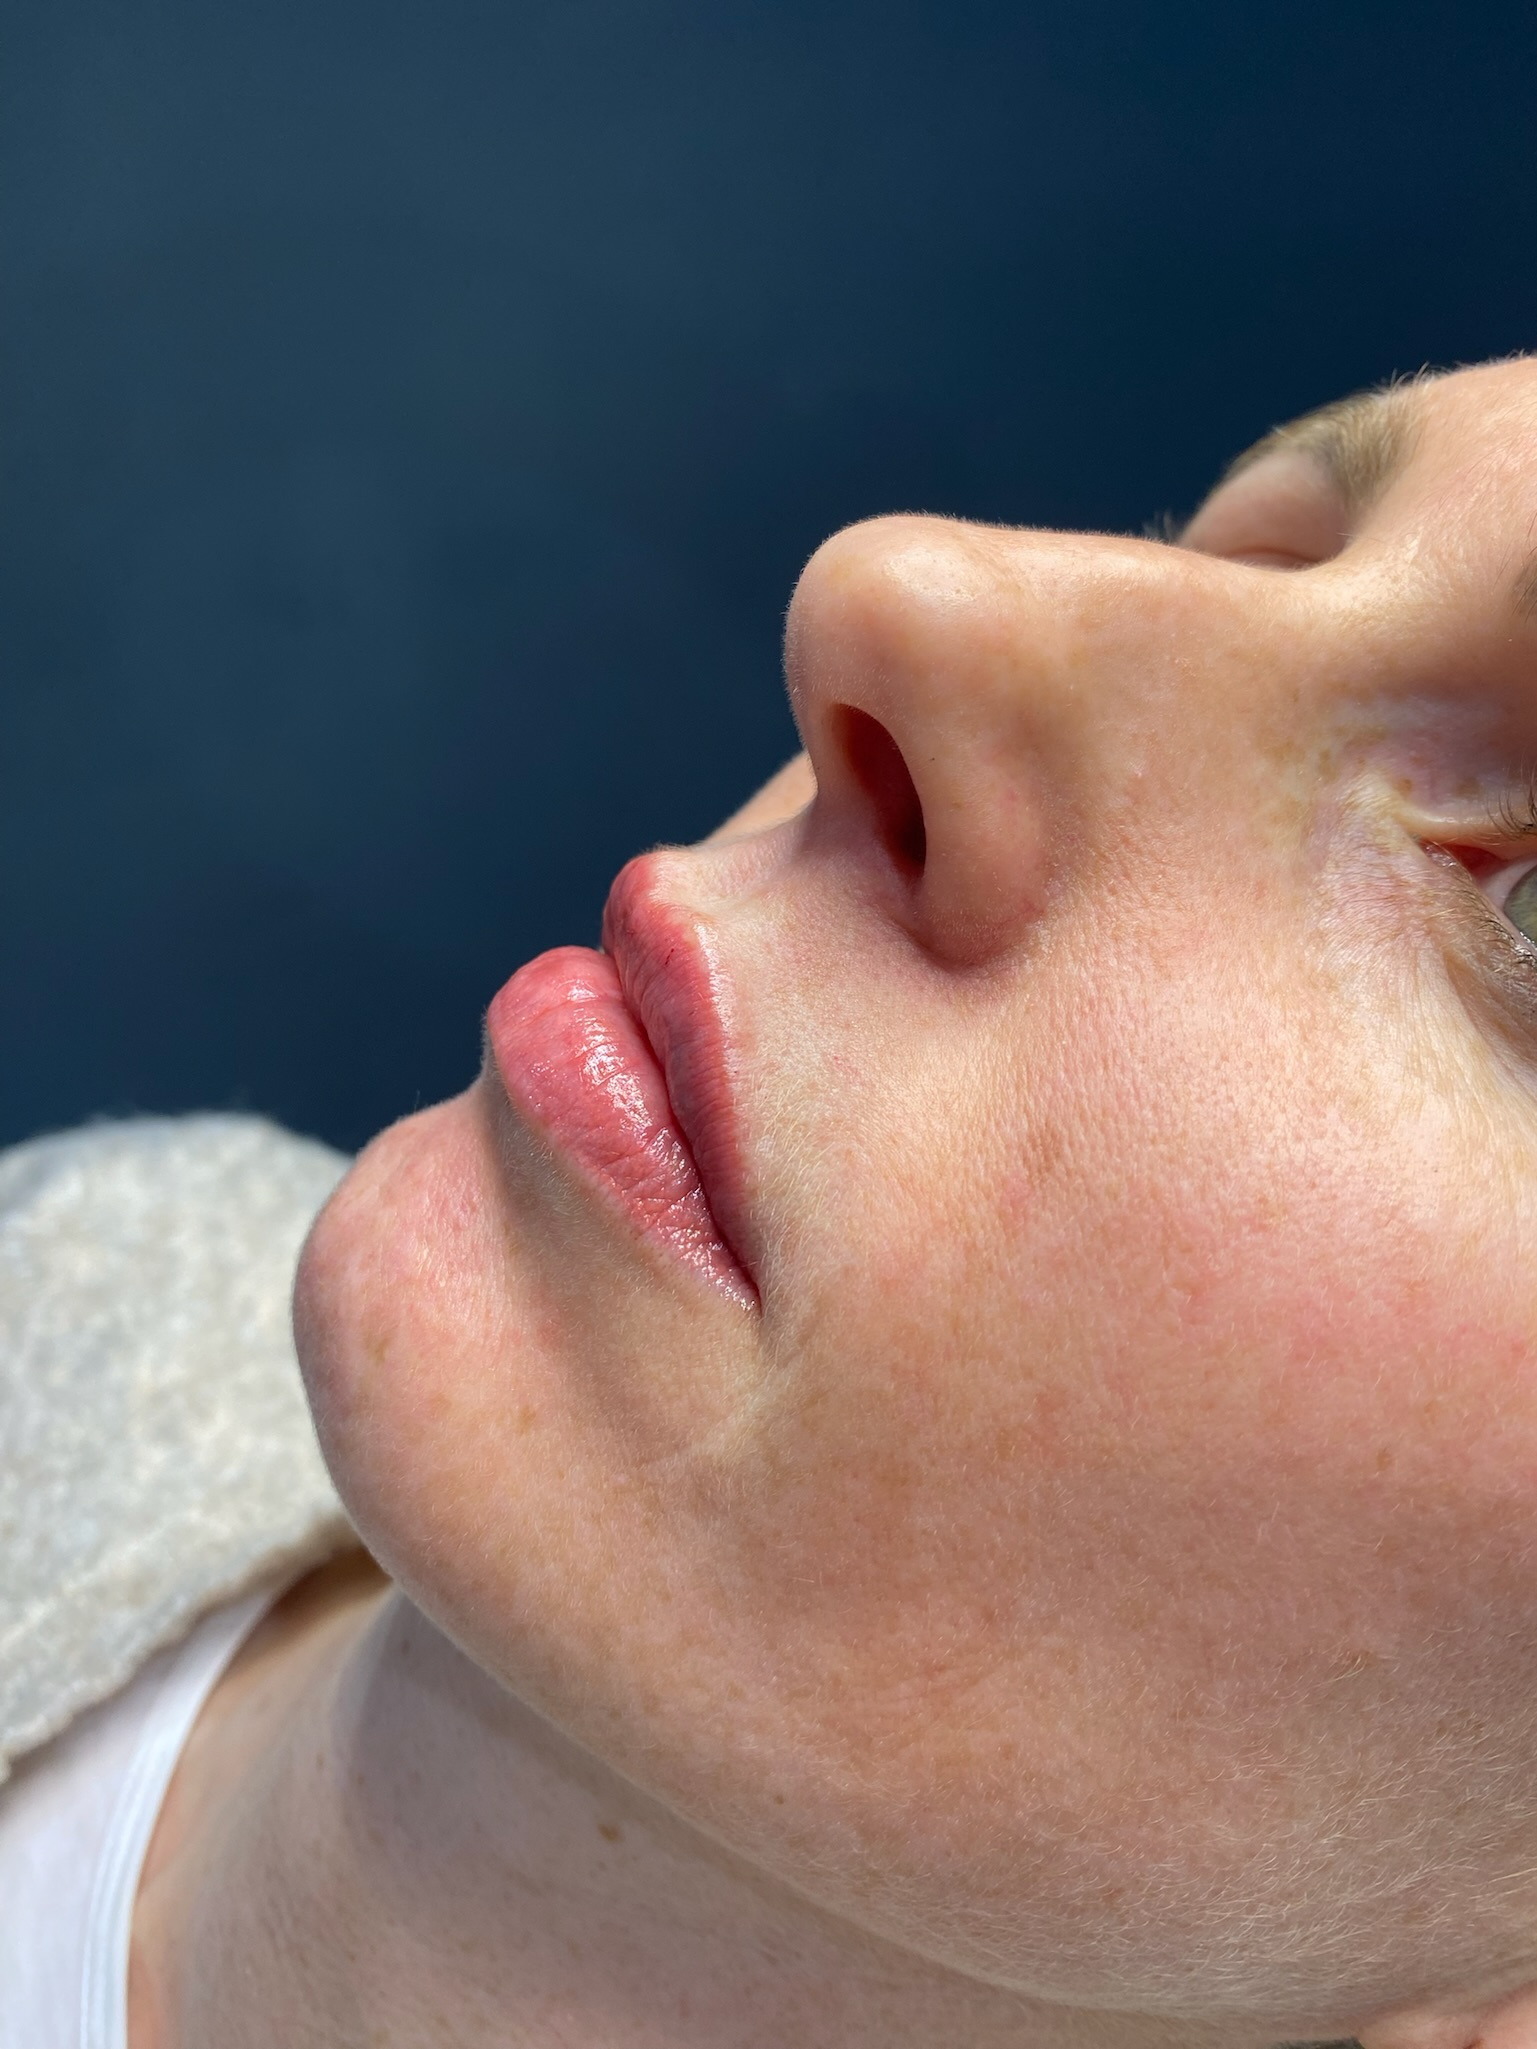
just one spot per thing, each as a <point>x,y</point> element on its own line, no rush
<point>985,1349</point>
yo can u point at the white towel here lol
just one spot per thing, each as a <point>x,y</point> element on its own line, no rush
<point>156,1454</point>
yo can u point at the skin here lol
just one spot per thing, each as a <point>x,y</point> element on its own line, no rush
<point>1095,1599</point>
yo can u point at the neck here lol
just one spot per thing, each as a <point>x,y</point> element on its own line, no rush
<point>370,1840</point>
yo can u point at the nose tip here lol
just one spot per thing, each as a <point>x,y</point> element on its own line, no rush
<point>887,590</point>
<point>974,698</point>
<point>907,661</point>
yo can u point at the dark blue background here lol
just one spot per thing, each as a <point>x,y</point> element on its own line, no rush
<point>413,415</point>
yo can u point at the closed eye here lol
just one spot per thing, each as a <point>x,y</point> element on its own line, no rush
<point>1283,512</point>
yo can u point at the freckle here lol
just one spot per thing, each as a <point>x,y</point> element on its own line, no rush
<point>527,1418</point>
<point>1385,1459</point>
<point>779,1799</point>
<point>610,1832</point>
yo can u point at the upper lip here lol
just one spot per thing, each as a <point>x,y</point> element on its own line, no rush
<point>674,988</point>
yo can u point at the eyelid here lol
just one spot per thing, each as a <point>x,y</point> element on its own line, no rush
<point>1492,964</point>
<point>1272,558</point>
<point>1500,844</point>
<point>1284,507</point>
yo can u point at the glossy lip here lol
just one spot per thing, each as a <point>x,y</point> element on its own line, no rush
<point>621,1060</point>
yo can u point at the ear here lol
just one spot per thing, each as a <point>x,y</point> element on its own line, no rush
<point>1508,2021</point>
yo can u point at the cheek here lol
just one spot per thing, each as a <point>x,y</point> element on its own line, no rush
<point>1292,1237</point>
<point>1334,1291</point>
<point>1322,1321</point>
<point>1247,1321</point>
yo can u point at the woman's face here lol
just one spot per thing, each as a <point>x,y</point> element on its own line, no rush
<point>988,1355</point>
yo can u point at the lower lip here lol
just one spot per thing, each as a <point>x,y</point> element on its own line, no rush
<point>576,1064</point>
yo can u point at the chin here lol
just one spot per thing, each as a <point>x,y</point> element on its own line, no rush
<point>385,1275</point>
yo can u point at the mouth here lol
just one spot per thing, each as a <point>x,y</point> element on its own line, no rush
<point>619,1059</point>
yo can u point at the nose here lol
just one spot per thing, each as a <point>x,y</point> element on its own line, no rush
<point>966,695</point>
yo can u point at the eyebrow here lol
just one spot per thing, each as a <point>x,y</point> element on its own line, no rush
<point>1362,442</point>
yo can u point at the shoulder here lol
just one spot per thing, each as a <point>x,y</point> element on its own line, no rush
<point>156,1455</point>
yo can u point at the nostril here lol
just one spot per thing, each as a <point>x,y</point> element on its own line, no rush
<point>881,773</point>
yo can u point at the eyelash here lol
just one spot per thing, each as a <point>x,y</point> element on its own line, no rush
<point>1515,818</point>
<point>1512,821</point>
